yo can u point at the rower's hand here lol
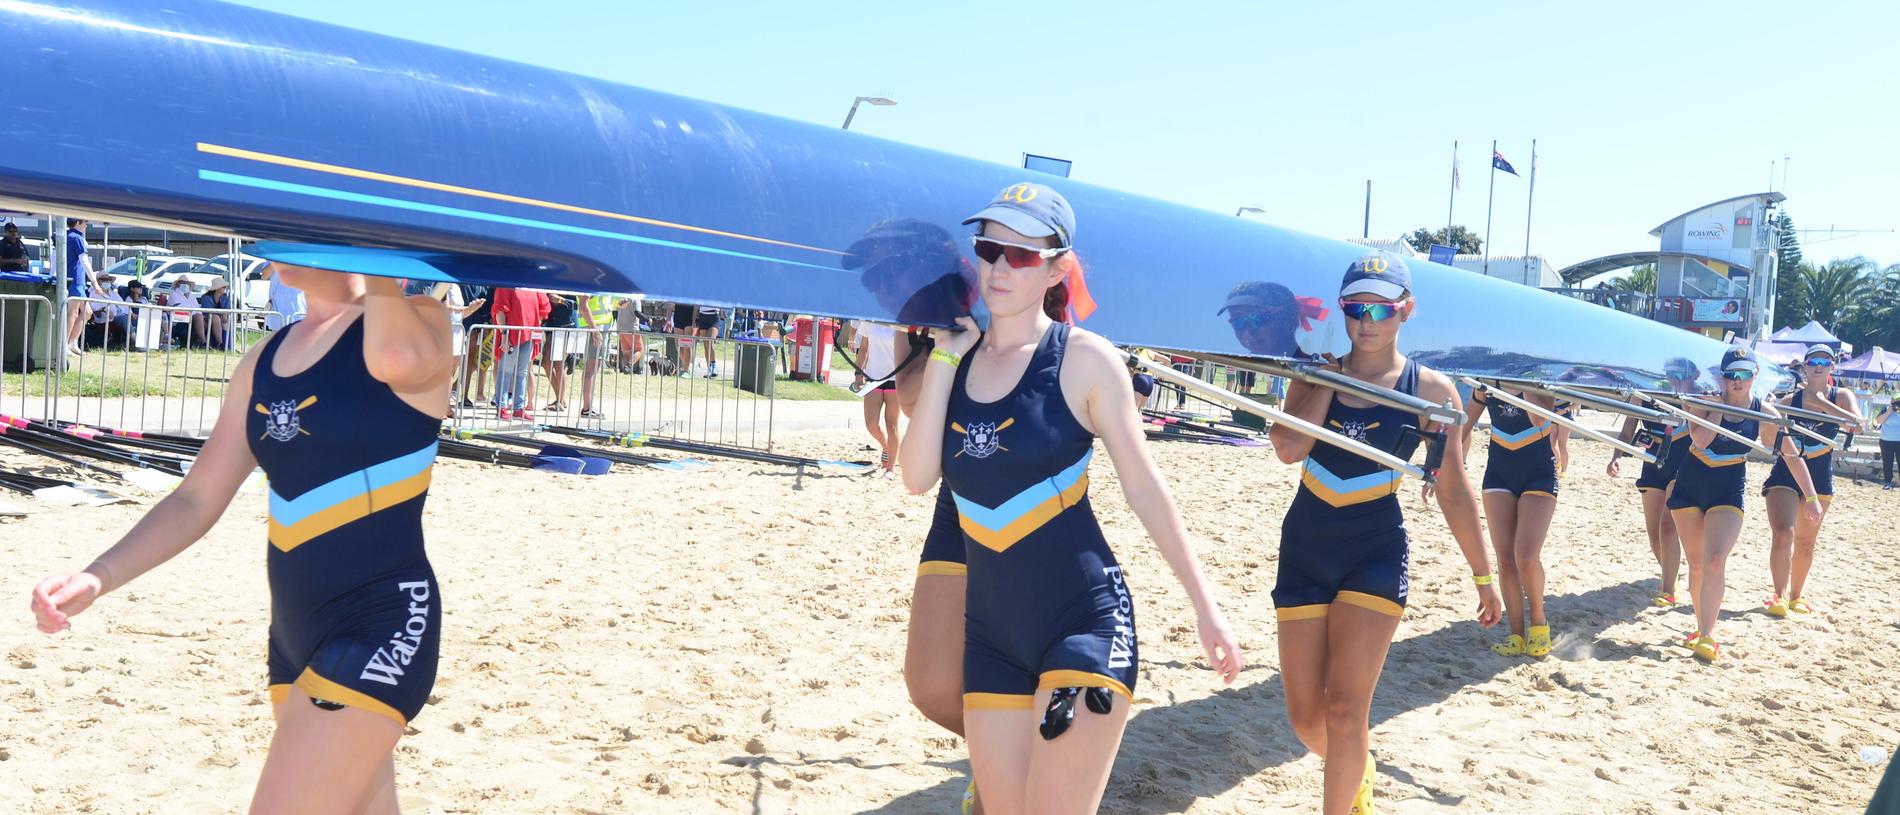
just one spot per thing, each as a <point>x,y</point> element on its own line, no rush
<point>56,599</point>
<point>1490,605</point>
<point>1222,649</point>
<point>1614,469</point>
<point>958,342</point>
<point>1811,511</point>
<point>1426,490</point>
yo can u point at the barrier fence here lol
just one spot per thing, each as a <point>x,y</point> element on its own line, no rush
<point>20,356</point>
<point>618,381</point>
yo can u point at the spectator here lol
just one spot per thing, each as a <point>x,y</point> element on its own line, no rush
<point>481,340</point>
<point>629,325</point>
<point>112,321</point>
<point>186,325</point>
<point>876,354</point>
<point>79,283</point>
<point>1889,421</point>
<point>522,311</point>
<point>554,356</point>
<point>706,324</point>
<point>455,297</point>
<point>286,302</point>
<point>216,326</point>
<point>12,251</point>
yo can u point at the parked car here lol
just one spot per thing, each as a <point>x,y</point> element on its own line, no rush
<point>156,267</point>
<point>250,271</point>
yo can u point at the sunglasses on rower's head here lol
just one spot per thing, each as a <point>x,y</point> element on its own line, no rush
<point>1020,256</point>
<point>1376,312</point>
<point>1742,375</point>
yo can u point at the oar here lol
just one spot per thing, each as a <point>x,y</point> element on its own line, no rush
<point>561,450</point>
<point>1705,424</point>
<point>1275,415</point>
<point>589,465</point>
<point>59,492</point>
<point>559,464</point>
<point>55,440</point>
<point>1551,415</point>
<point>644,440</point>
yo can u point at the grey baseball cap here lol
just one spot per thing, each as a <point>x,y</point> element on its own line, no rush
<point>1381,274</point>
<point>1034,210</point>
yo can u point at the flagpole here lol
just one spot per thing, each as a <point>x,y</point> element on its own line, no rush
<point>1532,199</point>
<point>1453,200</point>
<point>1489,199</point>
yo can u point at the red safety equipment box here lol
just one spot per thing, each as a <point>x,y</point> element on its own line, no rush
<point>811,341</point>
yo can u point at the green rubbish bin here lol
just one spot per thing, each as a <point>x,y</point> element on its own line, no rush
<point>757,368</point>
<point>25,324</point>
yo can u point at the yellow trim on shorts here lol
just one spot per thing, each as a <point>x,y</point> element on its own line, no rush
<point>318,687</point>
<point>1291,613</point>
<point>998,701</point>
<point>946,568</point>
<point>1551,495</point>
<point>1081,679</point>
<point>1736,510</point>
<point>1370,602</point>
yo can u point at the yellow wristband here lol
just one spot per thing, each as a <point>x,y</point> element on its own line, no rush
<point>1814,499</point>
<point>945,357</point>
<point>1483,579</point>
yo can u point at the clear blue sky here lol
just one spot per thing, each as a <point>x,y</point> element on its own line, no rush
<point>1641,110</point>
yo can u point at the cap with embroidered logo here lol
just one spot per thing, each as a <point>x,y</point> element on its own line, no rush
<point>1740,359</point>
<point>1033,211</point>
<point>1381,274</point>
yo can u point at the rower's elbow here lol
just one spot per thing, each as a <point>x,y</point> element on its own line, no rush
<point>399,364</point>
<point>917,485</point>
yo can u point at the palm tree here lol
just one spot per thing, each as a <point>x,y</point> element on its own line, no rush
<point>1875,318</point>
<point>1640,280</point>
<point>1838,286</point>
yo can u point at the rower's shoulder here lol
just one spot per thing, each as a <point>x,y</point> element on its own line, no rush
<point>1434,385</point>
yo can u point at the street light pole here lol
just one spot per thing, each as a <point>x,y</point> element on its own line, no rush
<point>882,101</point>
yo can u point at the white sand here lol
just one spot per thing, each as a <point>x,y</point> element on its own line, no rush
<point>717,642</point>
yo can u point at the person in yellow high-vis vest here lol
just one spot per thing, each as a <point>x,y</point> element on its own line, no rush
<point>597,315</point>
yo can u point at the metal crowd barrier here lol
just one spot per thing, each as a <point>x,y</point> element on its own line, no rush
<point>158,371</point>
<point>620,382</point>
<point>16,330</point>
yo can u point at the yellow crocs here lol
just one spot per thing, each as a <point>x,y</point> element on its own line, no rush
<point>1775,606</point>
<point>1800,606</point>
<point>1511,647</point>
<point>1362,803</point>
<point>969,798</point>
<point>1539,643</point>
<point>1707,649</point>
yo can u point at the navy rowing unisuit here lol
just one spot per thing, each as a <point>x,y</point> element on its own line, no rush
<point>1047,606</point>
<point>355,611</point>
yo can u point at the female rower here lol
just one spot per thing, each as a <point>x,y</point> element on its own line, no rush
<point>1344,551</point>
<point>342,411</point>
<point>1520,497</point>
<point>1653,485</point>
<point>1706,500</point>
<point>1791,552</point>
<point>1008,419</point>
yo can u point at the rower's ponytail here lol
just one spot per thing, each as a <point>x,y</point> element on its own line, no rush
<point>1055,301</point>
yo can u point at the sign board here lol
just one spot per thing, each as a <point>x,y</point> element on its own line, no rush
<point>1715,310</point>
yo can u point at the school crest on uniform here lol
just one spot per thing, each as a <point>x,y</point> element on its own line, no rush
<point>982,439</point>
<point>1355,430</point>
<point>280,418</point>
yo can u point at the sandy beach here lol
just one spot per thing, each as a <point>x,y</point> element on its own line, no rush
<point>718,642</point>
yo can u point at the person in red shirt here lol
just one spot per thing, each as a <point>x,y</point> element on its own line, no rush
<point>517,348</point>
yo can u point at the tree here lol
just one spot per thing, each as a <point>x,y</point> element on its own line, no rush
<point>1788,263</point>
<point>1875,320</point>
<point>1461,239</point>
<point>1640,280</point>
<point>1835,287</point>
<point>1788,246</point>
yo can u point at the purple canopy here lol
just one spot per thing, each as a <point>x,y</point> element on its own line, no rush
<point>1878,363</point>
<point>1779,353</point>
<point>1781,335</point>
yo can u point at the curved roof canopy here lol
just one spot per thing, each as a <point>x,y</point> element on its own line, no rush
<point>1577,272</point>
<point>1767,197</point>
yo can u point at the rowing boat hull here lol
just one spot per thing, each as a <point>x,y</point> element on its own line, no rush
<point>217,118</point>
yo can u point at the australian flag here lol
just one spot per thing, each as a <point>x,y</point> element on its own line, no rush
<point>1497,160</point>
